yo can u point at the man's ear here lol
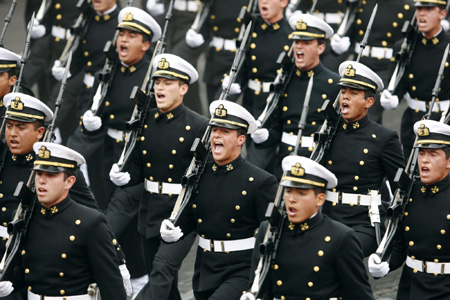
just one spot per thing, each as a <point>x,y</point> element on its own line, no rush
<point>40,131</point>
<point>145,46</point>
<point>369,102</point>
<point>70,181</point>
<point>321,49</point>
<point>241,139</point>
<point>320,199</point>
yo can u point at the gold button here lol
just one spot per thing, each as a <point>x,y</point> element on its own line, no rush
<point>144,152</point>
<point>310,284</point>
<point>448,217</point>
<point>361,32</point>
<point>244,193</point>
<point>254,35</point>
<point>194,205</point>
<point>188,127</point>
<point>142,138</point>
<point>324,96</point>
<point>411,243</point>
<point>3,208</point>
<point>89,63</point>
<point>58,17</point>
<point>237,207</point>
<point>253,57</point>
<point>285,108</point>
<point>199,221</point>
<point>405,213</point>
<point>72,238</point>
<point>23,252</point>
<point>78,222</point>
<point>327,238</point>
<point>114,241</point>
<point>384,43</point>
<point>171,166</point>
<point>356,177</point>
<point>107,103</point>
<point>253,45</point>
<point>361,163</point>
<point>169,179</point>
<point>389,35</point>
<point>27,271</point>
<point>57,39</point>
<point>400,15</point>
<point>316,269</point>
<point>290,148</point>
<point>181,139</point>
<point>374,136</point>
<point>236,29</point>
<point>313,123</point>
<point>86,53</point>
<point>320,253</point>
<point>61,274</point>
<point>439,247</point>
<point>330,162</point>
<point>149,165</point>
<point>215,28</point>
<point>330,81</point>
<point>406,228</point>
<point>413,88</point>
<point>62,292</point>
<point>111,117</point>
<point>254,70</point>
<point>366,151</point>
<point>288,122</point>
<point>279,282</point>
<point>358,21</point>
<point>213,17</point>
<point>174,152</point>
<point>251,179</point>
<point>395,24</point>
<point>275,267</point>
<point>442,231</point>
<point>228,235</point>
<point>5,224</point>
<point>406,6</point>
<point>233,221</point>
<point>58,5</point>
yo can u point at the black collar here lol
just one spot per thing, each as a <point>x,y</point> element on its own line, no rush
<point>298,228</point>
<point>55,209</point>
<point>307,74</point>
<point>434,189</point>
<point>217,169</point>
<point>353,126</point>
<point>170,115</point>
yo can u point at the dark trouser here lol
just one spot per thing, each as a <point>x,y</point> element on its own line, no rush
<point>368,243</point>
<point>260,157</point>
<point>163,260</point>
<point>232,288</point>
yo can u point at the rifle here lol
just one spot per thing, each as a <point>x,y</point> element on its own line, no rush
<point>405,179</point>
<point>247,13</point>
<point>202,148</point>
<point>276,216</point>
<point>143,98</point>
<point>17,228</point>
<point>202,14</point>
<point>7,21</point>
<point>349,17</point>
<point>79,29</point>
<point>403,57</point>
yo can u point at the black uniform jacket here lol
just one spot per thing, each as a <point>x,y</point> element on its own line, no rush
<point>230,204</point>
<point>66,249</point>
<point>287,115</point>
<point>361,155</point>
<point>317,259</point>
<point>422,235</point>
<point>164,155</point>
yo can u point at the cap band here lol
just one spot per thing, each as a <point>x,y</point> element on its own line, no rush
<point>310,34</point>
<point>132,24</point>
<point>8,66</point>
<point>306,181</point>
<point>229,122</point>
<point>163,72</point>
<point>359,83</point>
<point>17,114</point>
<point>53,164</point>
<point>433,1</point>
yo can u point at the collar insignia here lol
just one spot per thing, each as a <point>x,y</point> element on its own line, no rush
<point>128,16</point>
<point>344,126</point>
<point>298,72</point>
<point>304,226</point>
<point>29,157</point>
<point>291,226</point>
<point>355,125</point>
<point>157,115</point>
<point>163,64</point>
<point>44,152</point>
<point>350,71</point>
<point>264,26</point>
<point>14,157</point>
<point>169,116</point>
<point>17,104</point>
<point>434,189</point>
<point>276,26</point>
<point>122,69</point>
<point>310,73</point>
<point>297,170</point>
<point>54,210</point>
<point>435,40</point>
<point>423,131</point>
<point>423,189</point>
<point>42,210</point>
<point>221,111</point>
<point>301,25</point>
<point>132,69</point>
<point>230,167</point>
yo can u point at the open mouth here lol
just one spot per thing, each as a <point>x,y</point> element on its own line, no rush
<point>264,10</point>
<point>424,171</point>
<point>41,191</point>
<point>217,146</point>
<point>300,55</point>
<point>160,96</point>
<point>422,22</point>
<point>123,50</point>
<point>345,108</point>
<point>13,143</point>
<point>291,211</point>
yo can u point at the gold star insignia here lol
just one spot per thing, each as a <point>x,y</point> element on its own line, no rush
<point>156,115</point>
<point>276,26</point>
<point>122,69</point>
<point>435,40</point>
<point>264,26</point>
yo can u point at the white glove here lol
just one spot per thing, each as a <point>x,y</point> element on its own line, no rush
<point>58,71</point>
<point>235,88</point>
<point>126,277</point>
<point>247,296</point>
<point>388,101</point>
<point>340,44</point>
<point>260,136</point>
<point>91,122</point>
<point>376,267</point>
<point>194,39</point>
<point>38,30</point>
<point>155,9</point>
<point>445,24</point>
<point>6,288</point>
<point>170,233</point>
<point>118,178</point>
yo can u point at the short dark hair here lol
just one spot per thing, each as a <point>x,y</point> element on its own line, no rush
<point>12,72</point>
<point>70,172</point>
<point>322,42</point>
<point>37,124</point>
<point>241,131</point>
<point>369,94</point>
<point>319,190</point>
<point>447,152</point>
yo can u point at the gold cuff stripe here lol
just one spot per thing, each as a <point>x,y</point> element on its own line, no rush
<point>432,1</point>
<point>142,28</point>
<point>316,35</point>
<point>433,142</point>
<point>229,122</point>
<point>13,113</point>
<point>359,82</point>
<point>162,72</point>
<point>307,181</point>
<point>53,163</point>
<point>8,66</point>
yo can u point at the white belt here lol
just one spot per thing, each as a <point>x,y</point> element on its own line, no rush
<point>259,85</point>
<point>162,187</point>
<point>186,5</point>
<point>220,43</point>
<point>116,134</point>
<point>428,266</point>
<point>377,52</point>
<point>60,32</point>
<point>226,246</point>
<point>307,141</point>
<point>330,18</point>
<point>33,296</point>
<point>438,106</point>
<point>332,298</point>
<point>4,232</point>
<point>352,199</point>
<point>88,80</point>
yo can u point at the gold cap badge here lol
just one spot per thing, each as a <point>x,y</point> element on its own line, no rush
<point>128,16</point>
<point>44,152</point>
<point>301,25</point>
<point>423,131</point>
<point>350,71</point>
<point>163,64</point>
<point>297,170</point>
<point>221,111</point>
<point>17,104</point>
